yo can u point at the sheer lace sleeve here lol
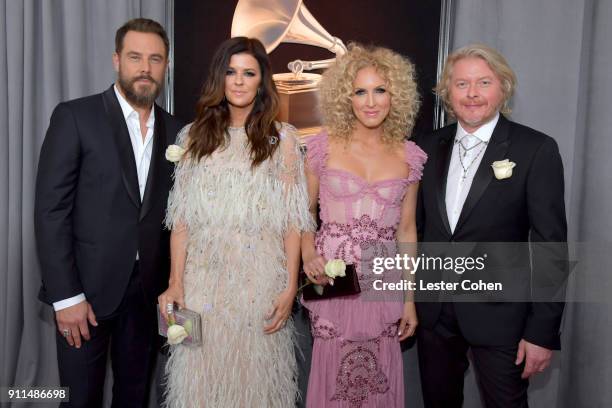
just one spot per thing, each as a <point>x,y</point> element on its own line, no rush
<point>416,158</point>
<point>177,200</point>
<point>293,180</point>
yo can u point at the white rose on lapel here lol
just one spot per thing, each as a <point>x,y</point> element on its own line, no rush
<point>174,153</point>
<point>503,169</point>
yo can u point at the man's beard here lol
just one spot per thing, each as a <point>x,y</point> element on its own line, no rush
<point>143,98</point>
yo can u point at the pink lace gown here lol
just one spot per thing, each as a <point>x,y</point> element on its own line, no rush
<point>356,358</point>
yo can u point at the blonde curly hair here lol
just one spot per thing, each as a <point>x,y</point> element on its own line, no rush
<point>337,89</point>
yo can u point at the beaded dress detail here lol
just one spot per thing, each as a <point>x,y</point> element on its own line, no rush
<point>356,359</point>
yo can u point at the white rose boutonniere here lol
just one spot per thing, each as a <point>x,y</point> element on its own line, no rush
<point>174,153</point>
<point>176,334</point>
<point>503,169</point>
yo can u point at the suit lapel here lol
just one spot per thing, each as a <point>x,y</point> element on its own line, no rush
<point>498,146</point>
<point>123,143</point>
<point>157,155</point>
<point>445,147</point>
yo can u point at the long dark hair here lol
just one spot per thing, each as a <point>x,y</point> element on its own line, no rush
<point>208,132</point>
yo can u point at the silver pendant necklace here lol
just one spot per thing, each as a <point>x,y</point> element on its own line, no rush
<point>465,168</point>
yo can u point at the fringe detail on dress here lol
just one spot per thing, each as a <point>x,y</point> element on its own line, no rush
<point>236,266</point>
<point>276,190</point>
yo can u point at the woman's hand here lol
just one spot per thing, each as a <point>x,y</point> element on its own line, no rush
<point>409,321</point>
<point>281,311</point>
<point>314,267</point>
<point>173,295</point>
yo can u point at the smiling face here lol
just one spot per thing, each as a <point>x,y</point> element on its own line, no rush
<point>371,99</point>
<point>140,67</point>
<point>475,93</point>
<point>242,79</point>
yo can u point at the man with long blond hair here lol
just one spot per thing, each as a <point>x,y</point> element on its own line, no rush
<point>489,180</point>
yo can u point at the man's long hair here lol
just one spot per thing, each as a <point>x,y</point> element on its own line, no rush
<point>208,132</point>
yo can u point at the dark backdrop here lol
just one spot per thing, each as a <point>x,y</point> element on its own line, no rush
<point>410,27</point>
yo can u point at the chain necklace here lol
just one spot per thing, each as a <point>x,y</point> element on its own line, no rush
<point>465,168</point>
<point>467,149</point>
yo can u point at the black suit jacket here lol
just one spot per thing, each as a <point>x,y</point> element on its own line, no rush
<point>529,206</point>
<point>89,218</point>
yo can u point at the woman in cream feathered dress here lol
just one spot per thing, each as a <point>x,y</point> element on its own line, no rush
<point>235,241</point>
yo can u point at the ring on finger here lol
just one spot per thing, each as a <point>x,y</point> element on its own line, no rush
<point>169,308</point>
<point>66,332</point>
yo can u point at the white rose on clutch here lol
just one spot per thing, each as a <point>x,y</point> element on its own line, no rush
<point>503,169</point>
<point>174,153</point>
<point>335,268</point>
<point>176,334</point>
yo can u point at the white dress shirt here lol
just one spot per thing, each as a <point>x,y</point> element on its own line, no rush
<point>142,148</point>
<point>142,156</point>
<point>457,186</point>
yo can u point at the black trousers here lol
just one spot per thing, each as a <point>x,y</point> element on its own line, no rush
<point>443,362</point>
<point>131,333</point>
<point>303,350</point>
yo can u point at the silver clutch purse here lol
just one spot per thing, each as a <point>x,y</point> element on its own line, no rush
<point>191,323</point>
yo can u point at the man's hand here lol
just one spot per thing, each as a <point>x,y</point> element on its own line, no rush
<point>72,322</point>
<point>536,358</point>
<point>408,322</point>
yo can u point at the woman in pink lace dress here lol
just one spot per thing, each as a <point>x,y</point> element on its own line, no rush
<point>364,175</point>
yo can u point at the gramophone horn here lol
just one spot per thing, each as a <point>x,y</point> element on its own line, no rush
<point>276,21</point>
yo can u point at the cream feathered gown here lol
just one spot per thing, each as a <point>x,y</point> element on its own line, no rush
<point>236,218</point>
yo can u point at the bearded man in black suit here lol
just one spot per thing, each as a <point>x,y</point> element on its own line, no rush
<point>101,195</point>
<point>487,180</point>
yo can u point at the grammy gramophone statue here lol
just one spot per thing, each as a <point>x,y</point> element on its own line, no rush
<point>277,21</point>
